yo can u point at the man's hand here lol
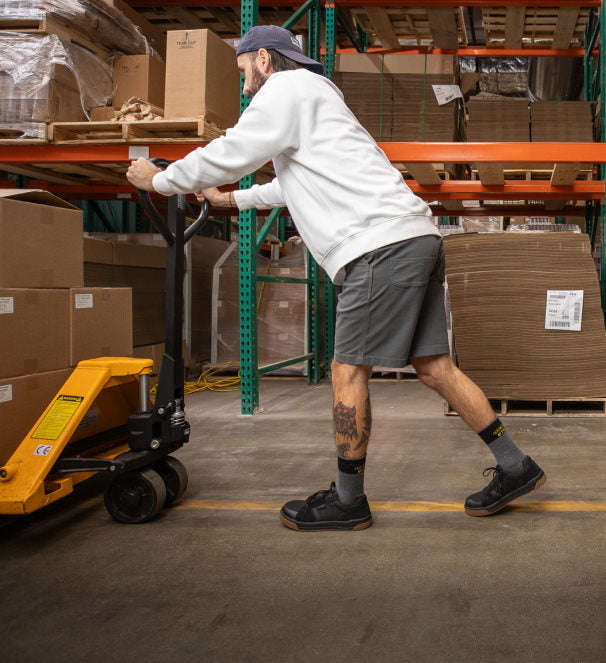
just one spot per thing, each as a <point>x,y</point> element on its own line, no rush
<point>216,198</point>
<point>141,173</point>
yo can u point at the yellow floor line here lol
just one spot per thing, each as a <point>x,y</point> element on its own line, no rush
<point>392,507</point>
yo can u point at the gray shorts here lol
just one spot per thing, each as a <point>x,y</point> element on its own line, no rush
<point>391,305</point>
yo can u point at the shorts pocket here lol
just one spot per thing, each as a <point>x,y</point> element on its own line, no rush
<point>411,272</point>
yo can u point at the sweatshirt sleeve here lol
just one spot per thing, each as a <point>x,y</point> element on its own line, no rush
<point>260,196</point>
<point>266,128</point>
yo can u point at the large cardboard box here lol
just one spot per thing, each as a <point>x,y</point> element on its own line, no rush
<point>100,323</point>
<point>139,76</point>
<point>202,78</point>
<point>22,401</point>
<point>40,241</point>
<point>34,331</point>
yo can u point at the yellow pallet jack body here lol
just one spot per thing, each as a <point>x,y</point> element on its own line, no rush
<point>109,387</point>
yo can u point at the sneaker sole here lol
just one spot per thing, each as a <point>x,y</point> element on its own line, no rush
<point>533,484</point>
<point>325,526</point>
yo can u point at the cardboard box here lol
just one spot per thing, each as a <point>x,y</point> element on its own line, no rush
<point>34,331</point>
<point>142,268</point>
<point>22,401</point>
<point>40,241</point>
<point>139,76</point>
<point>101,323</point>
<point>202,78</point>
<point>102,114</point>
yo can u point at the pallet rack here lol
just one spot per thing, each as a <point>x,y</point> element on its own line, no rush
<point>105,163</point>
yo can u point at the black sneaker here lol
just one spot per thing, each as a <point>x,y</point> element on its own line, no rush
<point>324,511</point>
<point>504,488</point>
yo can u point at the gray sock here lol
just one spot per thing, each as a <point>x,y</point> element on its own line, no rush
<point>505,450</point>
<point>350,479</point>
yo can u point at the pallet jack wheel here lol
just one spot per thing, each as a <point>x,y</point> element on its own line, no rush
<point>174,475</point>
<point>135,497</point>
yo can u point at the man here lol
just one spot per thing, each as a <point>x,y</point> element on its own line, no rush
<point>372,235</point>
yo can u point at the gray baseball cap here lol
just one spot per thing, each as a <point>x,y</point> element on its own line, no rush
<point>278,39</point>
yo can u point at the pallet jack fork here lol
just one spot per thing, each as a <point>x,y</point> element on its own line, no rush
<point>103,419</point>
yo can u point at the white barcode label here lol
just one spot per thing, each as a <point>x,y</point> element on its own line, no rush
<point>7,305</point>
<point>84,300</point>
<point>446,93</point>
<point>564,310</point>
<point>6,393</point>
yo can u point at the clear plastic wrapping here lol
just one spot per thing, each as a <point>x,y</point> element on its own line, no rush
<point>549,227</point>
<point>98,21</point>
<point>43,79</point>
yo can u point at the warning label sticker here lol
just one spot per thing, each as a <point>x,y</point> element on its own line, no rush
<point>57,418</point>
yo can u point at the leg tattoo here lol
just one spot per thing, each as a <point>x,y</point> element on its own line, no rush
<point>345,421</point>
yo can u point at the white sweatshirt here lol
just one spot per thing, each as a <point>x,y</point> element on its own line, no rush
<point>342,192</point>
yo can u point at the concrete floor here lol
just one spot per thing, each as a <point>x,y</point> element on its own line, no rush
<point>218,579</point>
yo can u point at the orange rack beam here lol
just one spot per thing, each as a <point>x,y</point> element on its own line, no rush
<point>380,3</point>
<point>396,152</point>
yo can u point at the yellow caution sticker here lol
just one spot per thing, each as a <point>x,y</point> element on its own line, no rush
<point>57,418</point>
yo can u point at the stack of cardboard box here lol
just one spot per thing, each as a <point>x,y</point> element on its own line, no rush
<point>498,285</point>
<point>48,320</point>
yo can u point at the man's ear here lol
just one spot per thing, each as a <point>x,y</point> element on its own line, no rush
<point>264,60</point>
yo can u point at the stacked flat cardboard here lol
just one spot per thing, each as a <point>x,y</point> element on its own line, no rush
<point>369,97</point>
<point>202,78</point>
<point>500,119</point>
<point>393,97</point>
<point>498,286</point>
<point>48,322</point>
<point>281,327</point>
<point>561,121</point>
<point>417,116</point>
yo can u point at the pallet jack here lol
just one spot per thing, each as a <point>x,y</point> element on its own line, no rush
<point>103,421</point>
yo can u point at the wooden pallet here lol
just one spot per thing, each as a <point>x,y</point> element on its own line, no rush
<point>569,407</point>
<point>161,131</point>
<point>10,134</point>
<point>516,27</point>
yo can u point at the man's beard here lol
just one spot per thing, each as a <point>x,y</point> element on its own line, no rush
<point>257,82</point>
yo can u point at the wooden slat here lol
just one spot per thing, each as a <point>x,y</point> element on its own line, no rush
<point>491,174</point>
<point>567,21</point>
<point>381,25</point>
<point>452,205</point>
<point>565,174</point>
<point>443,25</point>
<point>98,173</point>
<point>424,173</point>
<point>40,174</point>
<point>514,26</point>
<point>86,132</point>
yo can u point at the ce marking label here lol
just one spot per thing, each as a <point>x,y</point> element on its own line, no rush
<point>43,450</point>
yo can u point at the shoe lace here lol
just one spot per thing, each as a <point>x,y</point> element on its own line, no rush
<point>496,476</point>
<point>321,495</point>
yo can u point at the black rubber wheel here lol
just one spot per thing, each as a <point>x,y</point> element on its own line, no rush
<point>174,475</point>
<point>135,497</point>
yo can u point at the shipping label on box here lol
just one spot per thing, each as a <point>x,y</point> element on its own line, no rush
<point>564,310</point>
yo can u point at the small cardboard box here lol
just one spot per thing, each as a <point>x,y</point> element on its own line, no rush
<point>40,241</point>
<point>22,401</point>
<point>101,323</point>
<point>139,76</point>
<point>102,114</point>
<point>202,78</point>
<point>34,331</point>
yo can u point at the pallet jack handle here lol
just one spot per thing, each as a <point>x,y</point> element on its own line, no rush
<point>156,218</point>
